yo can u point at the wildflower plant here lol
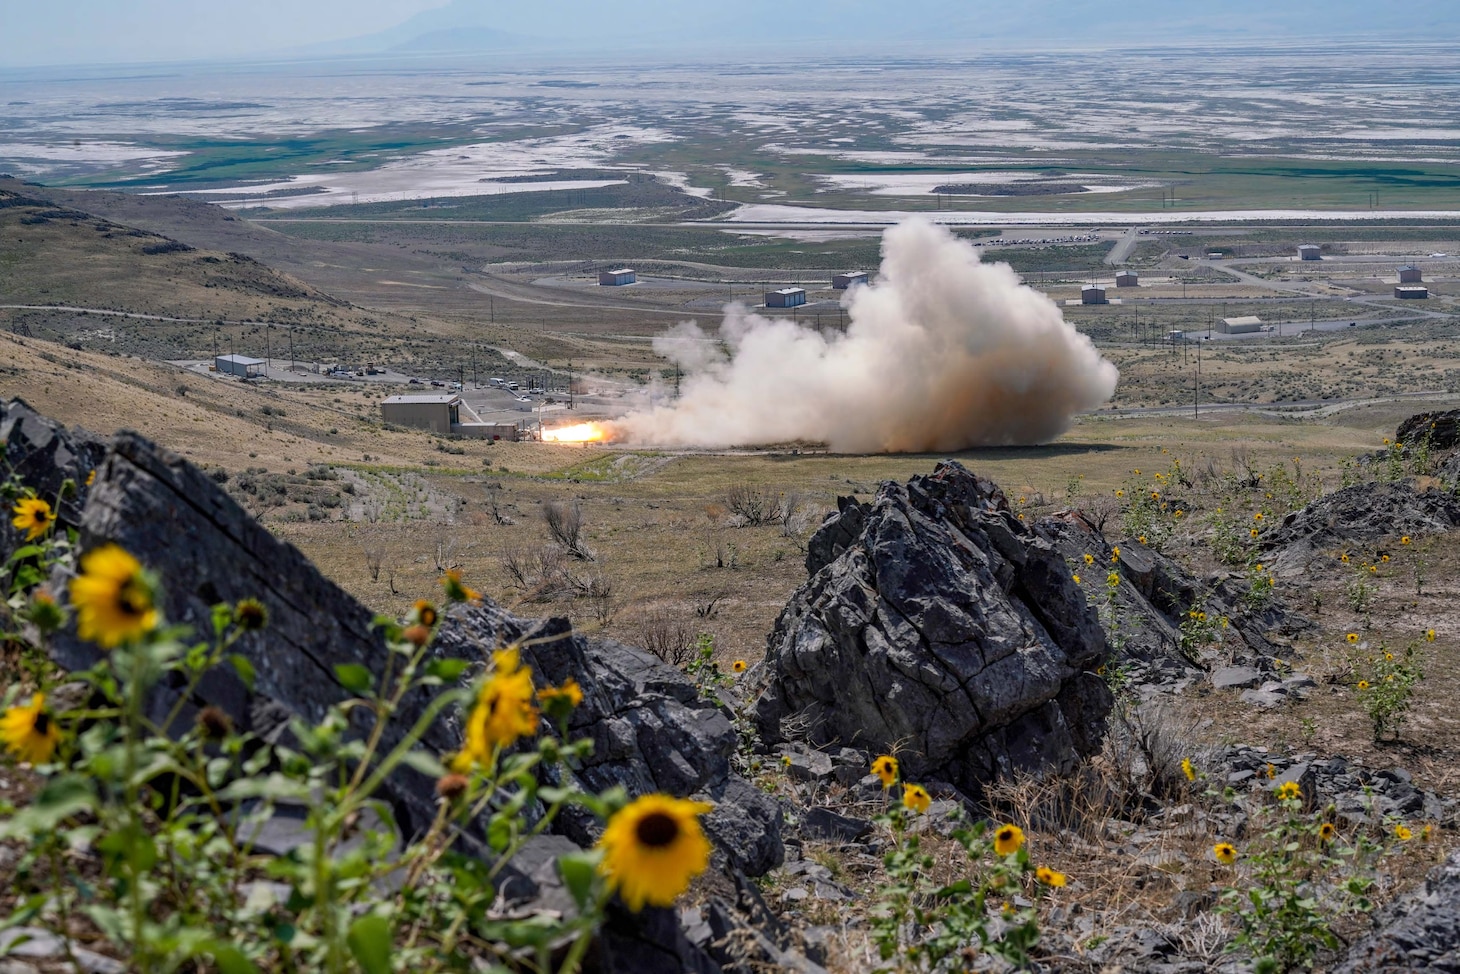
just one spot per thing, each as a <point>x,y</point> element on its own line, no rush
<point>1385,682</point>
<point>1288,885</point>
<point>920,924</point>
<point>169,807</point>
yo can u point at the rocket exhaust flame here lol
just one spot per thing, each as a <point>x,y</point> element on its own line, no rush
<point>942,353</point>
<point>578,433</point>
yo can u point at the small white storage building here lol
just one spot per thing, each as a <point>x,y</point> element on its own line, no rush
<point>786,297</point>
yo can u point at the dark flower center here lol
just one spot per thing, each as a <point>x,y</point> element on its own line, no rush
<point>41,515</point>
<point>657,830</point>
<point>42,723</point>
<point>133,599</point>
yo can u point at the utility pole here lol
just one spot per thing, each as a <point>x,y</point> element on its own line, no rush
<point>570,383</point>
<point>268,348</point>
<point>1196,386</point>
<point>291,348</point>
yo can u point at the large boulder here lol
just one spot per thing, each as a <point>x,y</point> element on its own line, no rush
<point>935,623</point>
<point>1361,514</point>
<point>1442,429</point>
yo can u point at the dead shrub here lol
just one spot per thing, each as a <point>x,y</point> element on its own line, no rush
<point>752,506</point>
<point>564,522</point>
<point>665,630</point>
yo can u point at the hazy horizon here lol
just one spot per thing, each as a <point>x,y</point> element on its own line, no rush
<point>98,32</point>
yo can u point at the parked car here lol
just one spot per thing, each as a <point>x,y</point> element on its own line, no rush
<point>414,382</point>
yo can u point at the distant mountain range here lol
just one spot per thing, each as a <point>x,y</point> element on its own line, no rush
<point>487,25</point>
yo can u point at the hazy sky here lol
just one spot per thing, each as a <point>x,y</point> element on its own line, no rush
<point>77,31</point>
<point>102,31</point>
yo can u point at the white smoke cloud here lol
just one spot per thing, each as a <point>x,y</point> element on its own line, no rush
<point>943,352</point>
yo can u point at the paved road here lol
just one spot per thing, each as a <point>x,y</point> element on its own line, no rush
<point>1122,250</point>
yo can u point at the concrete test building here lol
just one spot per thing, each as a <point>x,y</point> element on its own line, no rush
<point>1411,291</point>
<point>1310,252</point>
<point>442,414</point>
<point>240,365</point>
<point>618,278</point>
<point>1410,274</point>
<point>1127,279</point>
<point>786,297</point>
<point>843,281</point>
<point>1092,294</point>
<point>1245,325</point>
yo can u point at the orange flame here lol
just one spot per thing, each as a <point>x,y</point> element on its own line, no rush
<point>580,433</point>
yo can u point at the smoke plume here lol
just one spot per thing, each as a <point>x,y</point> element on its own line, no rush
<point>943,352</point>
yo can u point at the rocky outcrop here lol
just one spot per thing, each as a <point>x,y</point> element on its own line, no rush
<point>1441,428</point>
<point>46,457</point>
<point>1419,932</point>
<point>651,730</point>
<point>1359,514</point>
<point>934,622</point>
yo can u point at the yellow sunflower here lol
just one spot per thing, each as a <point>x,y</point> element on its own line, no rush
<point>1089,558</point>
<point>1188,769</point>
<point>30,732</point>
<point>885,768</point>
<point>1429,635</point>
<point>1225,852</point>
<point>113,598</point>
<point>558,702</point>
<point>1008,840</point>
<point>739,666</point>
<point>33,516</point>
<point>1352,638</point>
<point>1327,832</point>
<point>1049,877</point>
<point>1402,833</point>
<point>456,591</point>
<point>426,613</point>
<point>504,710</point>
<point>653,848</point>
<point>1363,684</point>
<point>1288,790</point>
<point>915,798</point>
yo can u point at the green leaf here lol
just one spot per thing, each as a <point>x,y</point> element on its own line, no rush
<point>499,831</point>
<point>60,799</point>
<point>369,941</point>
<point>447,669</point>
<point>423,762</point>
<point>354,677</point>
<point>578,870</point>
<point>244,668</point>
<point>230,960</point>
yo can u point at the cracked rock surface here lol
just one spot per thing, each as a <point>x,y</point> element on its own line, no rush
<point>935,621</point>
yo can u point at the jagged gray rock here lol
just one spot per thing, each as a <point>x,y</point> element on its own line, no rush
<point>1442,429</point>
<point>650,728</point>
<point>933,619</point>
<point>1359,514</point>
<point>1418,932</point>
<point>45,455</point>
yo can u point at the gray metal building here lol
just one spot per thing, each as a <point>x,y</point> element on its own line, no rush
<point>1092,294</point>
<point>1127,279</point>
<point>240,365</point>
<point>1310,252</point>
<point>843,281</point>
<point>786,297</point>
<point>1410,274</point>
<point>618,278</point>
<point>1411,291</point>
<point>435,413</point>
